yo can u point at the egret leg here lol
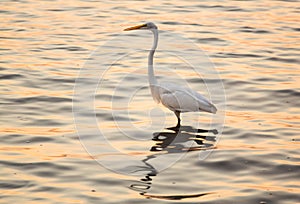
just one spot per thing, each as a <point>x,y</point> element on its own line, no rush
<point>177,113</point>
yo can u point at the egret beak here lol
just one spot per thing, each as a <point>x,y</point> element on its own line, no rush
<point>135,27</point>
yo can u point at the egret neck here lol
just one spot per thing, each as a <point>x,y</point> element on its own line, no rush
<point>152,79</point>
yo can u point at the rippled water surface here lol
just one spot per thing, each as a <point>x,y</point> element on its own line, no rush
<point>253,158</point>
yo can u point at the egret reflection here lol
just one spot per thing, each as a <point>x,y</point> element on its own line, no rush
<point>184,139</point>
<point>172,141</point>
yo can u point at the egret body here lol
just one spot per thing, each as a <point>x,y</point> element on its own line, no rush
<point>176,98</point>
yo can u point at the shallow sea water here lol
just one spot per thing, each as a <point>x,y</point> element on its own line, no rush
<point>253,158</point>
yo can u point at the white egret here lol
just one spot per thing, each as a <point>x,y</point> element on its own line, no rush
<point>176,98</point>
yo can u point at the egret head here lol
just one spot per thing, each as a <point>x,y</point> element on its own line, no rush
<point>146,26</point>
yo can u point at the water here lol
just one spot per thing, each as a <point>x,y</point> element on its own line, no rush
<point>253,159</point>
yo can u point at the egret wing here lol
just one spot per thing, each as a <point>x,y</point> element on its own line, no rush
<point>183,99</point>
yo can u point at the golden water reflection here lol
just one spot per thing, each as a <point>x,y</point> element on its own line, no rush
<point>255,48</point>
